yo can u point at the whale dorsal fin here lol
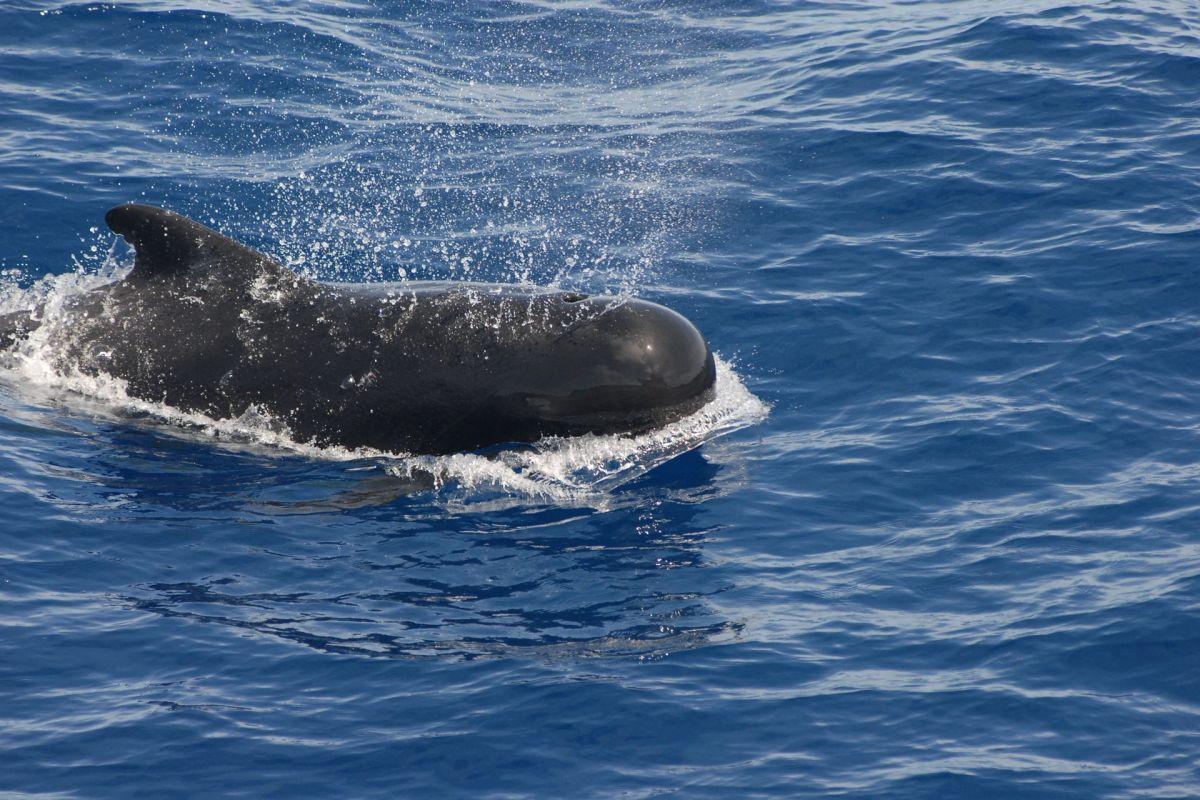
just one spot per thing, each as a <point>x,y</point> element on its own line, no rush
<point>167,243</point>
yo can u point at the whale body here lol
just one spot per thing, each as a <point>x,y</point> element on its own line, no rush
<point>205,324</point>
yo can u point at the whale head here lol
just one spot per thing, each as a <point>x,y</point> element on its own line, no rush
<point>482,364</point>
<point>628,365</point>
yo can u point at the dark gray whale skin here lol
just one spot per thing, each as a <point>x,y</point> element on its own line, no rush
<point>206,324</point>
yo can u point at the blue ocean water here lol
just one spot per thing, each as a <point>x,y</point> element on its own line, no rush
<point>952,245</point>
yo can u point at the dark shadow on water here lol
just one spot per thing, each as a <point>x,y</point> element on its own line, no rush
<point>531,582</point>
<point>343,558</point>
<point>542,585</point>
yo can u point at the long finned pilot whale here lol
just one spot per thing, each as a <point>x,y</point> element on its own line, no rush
<point>205,324</point>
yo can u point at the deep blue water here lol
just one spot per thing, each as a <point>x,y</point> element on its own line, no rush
<point>954,245</point>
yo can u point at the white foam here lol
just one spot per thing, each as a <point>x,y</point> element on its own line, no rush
<point>574,469</point>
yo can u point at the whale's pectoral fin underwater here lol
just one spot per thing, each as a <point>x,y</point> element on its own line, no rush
<point>207,325</point>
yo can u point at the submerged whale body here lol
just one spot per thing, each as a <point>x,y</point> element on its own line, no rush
<point>208,325</point>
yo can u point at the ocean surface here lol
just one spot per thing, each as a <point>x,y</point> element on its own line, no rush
<point>938,536</point>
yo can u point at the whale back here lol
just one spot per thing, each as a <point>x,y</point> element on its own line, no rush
<point>206,324</point>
